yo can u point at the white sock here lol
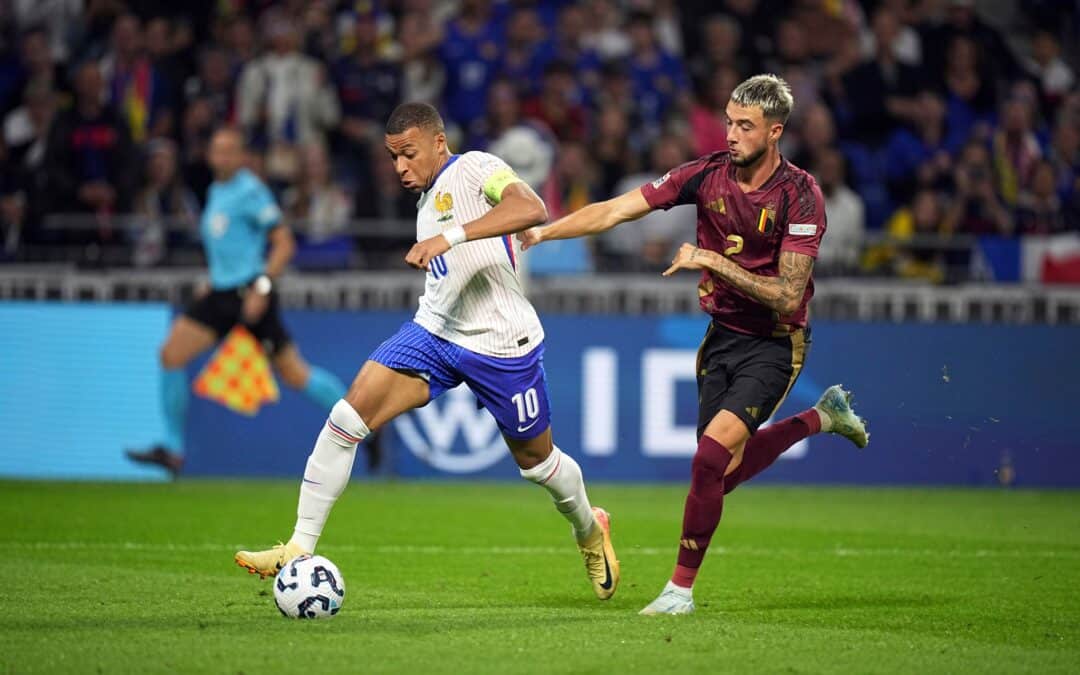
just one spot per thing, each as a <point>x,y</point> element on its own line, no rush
<point>560,475</point>
<point>826,421</point>
<point>672,587</point>
<point>327,472</point>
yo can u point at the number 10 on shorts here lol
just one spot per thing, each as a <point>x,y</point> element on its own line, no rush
<point>528,405</point>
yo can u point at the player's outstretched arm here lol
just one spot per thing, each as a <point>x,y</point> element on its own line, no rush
<point>781,293</point>
<point>519,208</point>
<point>592,219</point>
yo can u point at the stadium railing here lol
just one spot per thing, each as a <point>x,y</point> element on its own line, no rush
<point>359,267</point>
<point>837,299</point>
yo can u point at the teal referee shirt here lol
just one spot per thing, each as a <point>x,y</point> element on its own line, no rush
<point>238,215</point>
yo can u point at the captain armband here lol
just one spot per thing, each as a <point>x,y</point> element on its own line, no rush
<point>497,182</point>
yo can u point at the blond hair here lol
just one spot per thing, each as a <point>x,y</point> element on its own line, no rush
<point>768,92</point>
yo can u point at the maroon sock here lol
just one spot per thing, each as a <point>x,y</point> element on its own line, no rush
<point>704,504</point>
<point>769,443</point>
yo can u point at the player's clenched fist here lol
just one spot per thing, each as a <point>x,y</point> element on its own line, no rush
<point>422,252</point>
<point>689,257</point>
<point>529,238</point>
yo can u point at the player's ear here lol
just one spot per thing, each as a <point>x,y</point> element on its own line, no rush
<point>775,130</point>
<point>440,142</point>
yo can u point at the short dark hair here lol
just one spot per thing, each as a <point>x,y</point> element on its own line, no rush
<point>424,116</point>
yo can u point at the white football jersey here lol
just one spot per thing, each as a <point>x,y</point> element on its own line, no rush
<point>472,296</point>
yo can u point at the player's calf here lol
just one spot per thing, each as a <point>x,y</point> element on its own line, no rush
<point>561,476</point>
<point>325,477</point>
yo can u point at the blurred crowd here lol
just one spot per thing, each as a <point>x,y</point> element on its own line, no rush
<point>921,119</point>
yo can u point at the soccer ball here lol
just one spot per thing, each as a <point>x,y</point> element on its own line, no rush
<point>309,587</point>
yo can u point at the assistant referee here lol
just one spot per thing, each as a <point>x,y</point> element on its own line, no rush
<point>247,247</point>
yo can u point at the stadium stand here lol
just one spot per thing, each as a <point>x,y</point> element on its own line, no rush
<point>948,148</point>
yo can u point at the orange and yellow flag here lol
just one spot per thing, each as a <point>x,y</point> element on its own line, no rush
<point>238,375</point>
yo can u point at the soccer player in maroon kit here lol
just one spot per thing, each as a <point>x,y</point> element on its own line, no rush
<point>760,221</point>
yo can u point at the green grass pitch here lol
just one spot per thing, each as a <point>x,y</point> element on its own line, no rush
<point>475,577</point>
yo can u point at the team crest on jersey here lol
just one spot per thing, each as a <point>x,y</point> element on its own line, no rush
<point>766,219</point>
<point>443,203</point>
<point>717,206</point>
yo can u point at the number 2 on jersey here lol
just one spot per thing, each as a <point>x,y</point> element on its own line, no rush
<point>738,244</point>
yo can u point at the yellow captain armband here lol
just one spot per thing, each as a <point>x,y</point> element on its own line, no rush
<point>497,182</point>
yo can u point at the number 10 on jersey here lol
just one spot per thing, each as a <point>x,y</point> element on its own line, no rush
<point>438,267</point>
<point>528,405</point>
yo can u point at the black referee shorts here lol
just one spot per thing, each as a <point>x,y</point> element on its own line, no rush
<point>220,310</point>
<point>747,375</point>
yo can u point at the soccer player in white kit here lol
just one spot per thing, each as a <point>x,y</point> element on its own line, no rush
<point>473,325</point>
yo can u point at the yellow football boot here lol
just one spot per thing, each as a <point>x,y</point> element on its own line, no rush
<point>268,563</point>
<point>600,562</point>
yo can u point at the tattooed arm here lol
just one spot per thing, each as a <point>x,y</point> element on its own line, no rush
<point>781,293</point>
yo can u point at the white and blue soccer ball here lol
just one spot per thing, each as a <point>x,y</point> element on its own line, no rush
<point>309,587</point>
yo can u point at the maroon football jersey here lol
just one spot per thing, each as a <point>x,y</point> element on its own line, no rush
<point>787,213</point>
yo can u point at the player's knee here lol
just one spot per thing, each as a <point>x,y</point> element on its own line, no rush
<point>527,458</point>
<point>373,417</point>
<point>345,417</point>
<point>539,467</point>
<point>707,462</point>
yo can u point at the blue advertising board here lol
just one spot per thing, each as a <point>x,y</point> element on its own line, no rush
<point>948,404</point>
<point>78,383</point>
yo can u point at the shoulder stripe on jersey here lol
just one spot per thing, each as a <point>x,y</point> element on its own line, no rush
<point>688,193</point>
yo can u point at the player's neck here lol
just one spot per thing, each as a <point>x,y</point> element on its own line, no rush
<point>224,177</point>
<point>444,159</point>
<point>752,177</point>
